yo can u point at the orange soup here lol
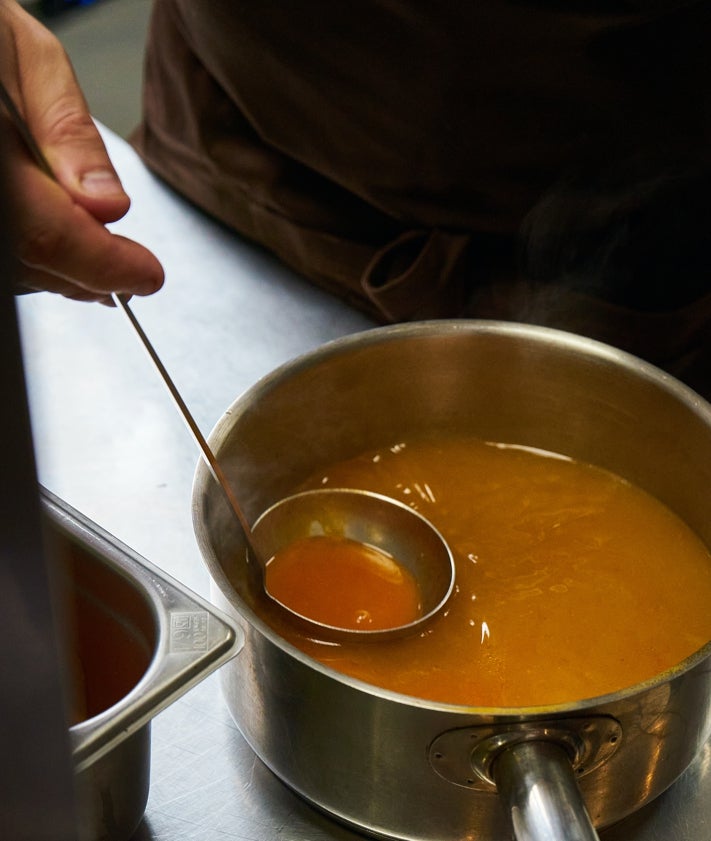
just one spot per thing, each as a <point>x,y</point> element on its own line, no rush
<point>343,583</point>
<point>571,583</point>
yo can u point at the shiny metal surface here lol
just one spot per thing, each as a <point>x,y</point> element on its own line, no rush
<point>109,443</point>
<point>181,635</point>
<point>371,520</point>
<point>189,420</point>
<point>500,382</point>
<point>539,793</point>
<point>589,741</point>
<point>138,640</point>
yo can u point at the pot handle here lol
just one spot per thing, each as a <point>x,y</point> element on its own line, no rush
<point>537,786</point>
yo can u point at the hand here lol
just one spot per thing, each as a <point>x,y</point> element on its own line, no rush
<point>60,234</point>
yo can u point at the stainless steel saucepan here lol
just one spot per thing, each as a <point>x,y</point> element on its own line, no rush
<point>399,767</point>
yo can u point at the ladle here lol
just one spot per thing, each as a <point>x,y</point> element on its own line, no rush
<point>368,518</point>
<point>362,516</point>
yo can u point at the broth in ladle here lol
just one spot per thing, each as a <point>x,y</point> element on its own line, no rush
<point>571,583</point>
<point>343,583</point>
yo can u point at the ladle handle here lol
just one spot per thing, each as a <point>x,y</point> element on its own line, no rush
<point>34,148</point>
<point>193,428</point>
<point>537,785</point>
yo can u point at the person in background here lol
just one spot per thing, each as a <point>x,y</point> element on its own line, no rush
<point>528,160</point>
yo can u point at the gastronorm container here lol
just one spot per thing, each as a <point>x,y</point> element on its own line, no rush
<point>136,641</point>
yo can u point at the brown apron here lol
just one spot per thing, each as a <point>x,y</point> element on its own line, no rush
<point>392,152</point>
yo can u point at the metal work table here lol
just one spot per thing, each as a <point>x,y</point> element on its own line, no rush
<point>109,442</point>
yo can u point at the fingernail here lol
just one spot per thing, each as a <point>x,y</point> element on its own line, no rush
<point>101,182</point>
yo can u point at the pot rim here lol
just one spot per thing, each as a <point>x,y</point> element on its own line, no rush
<point>377,335</point>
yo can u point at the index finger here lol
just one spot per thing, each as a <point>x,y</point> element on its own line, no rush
<point>55,236</point>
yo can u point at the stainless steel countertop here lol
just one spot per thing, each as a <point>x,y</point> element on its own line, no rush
<point>109,442</point>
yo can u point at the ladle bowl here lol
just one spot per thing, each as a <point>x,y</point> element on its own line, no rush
<point>367,518</point>
<point>372,520</point>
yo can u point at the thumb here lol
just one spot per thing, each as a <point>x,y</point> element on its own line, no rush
<point>81,164</point>
<point>58,116</point>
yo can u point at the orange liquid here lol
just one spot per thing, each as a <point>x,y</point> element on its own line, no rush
<point>110,632</point>
<point>571,583</point>
<point>343,583</point>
